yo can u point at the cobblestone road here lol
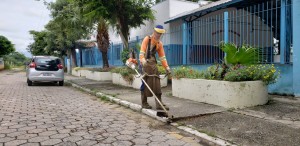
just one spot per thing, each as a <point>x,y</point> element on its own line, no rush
<point>47,114</point>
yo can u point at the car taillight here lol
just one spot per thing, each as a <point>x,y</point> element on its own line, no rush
<point>60,66</point>
<point>32,65</point>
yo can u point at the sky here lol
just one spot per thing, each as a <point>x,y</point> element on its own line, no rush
<point>18,17</point>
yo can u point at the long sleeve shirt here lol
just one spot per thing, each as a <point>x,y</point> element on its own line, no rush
<point>159,49</point>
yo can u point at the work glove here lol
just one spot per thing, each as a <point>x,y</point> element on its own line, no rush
<point>168,70</point>
<point>143,62</point>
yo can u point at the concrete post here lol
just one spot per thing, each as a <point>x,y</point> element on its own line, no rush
<point>283,46</point>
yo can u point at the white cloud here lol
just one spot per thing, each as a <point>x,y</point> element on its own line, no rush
<point>18,17</point>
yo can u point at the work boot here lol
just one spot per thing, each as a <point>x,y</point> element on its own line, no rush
<point>158,107</point>
<point>144,101</point>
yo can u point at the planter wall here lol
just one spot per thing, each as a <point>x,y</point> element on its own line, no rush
<point>76,73</point>
<point>118,79</point>
<point>93,75</point>
<point>99,76</point>
<point>221,93</point>
<point>136,83</point>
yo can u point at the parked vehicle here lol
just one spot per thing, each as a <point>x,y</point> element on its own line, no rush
<point>45,69</point>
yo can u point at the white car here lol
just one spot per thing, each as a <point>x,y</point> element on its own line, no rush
<point>45,69</point>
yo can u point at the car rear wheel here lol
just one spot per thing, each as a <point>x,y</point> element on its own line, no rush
<point>29,82</point>
<point>61,83</point>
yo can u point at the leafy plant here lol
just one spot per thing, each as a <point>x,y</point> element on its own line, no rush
<point>161,69</point>
<point>125,55</point>
<point>239,55</point>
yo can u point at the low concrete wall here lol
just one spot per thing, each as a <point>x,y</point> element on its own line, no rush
<point>99,76</point>
<point>76,73</point>
<point>136,83</point>
<point>93,75</point>
<point>221,93</point>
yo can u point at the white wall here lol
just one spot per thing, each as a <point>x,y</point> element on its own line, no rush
<point>162,12</point>
<point>180,6</point>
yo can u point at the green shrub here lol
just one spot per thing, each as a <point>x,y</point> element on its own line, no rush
<point>266,73</point>
<point>161,69</point>
<point>187,72</point>
<point>7,65</point>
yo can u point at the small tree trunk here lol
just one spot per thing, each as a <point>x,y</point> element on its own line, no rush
<point>105,60</point>
<point>80,52</point>
<point>74,60</point>
<point>68,58</point>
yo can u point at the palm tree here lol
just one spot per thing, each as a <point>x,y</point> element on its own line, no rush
<point>103,40</point>
<point>237,56</point>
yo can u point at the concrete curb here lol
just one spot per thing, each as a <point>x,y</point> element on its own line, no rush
<point>152,113</point>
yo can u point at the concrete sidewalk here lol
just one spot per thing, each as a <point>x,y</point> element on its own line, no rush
<point>277,123</point>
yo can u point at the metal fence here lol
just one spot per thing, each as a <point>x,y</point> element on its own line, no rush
<point>196,42</point>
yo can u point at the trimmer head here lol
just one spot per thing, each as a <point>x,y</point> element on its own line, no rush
<point>162,114</point>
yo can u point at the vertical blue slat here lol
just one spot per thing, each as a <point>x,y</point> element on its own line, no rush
<point>244,32</point>
<point>288,32</point>
<point>112,53</point>
<point>206,34</point>
<point>258,29</point>
<point>241,25</point>
<point>236,25</point>
<point>283,32</point>
<point>184,42</point>
<point>248,32</point>
<point>271,34</point>
<point>254,29</point>
<point>267,34</point>
<point>225,28</point>
<point>296,46</point>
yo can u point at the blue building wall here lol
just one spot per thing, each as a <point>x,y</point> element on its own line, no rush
<point>296,46</point>
<point>284,85</point>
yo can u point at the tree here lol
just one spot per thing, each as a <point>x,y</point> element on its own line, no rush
<point>38,47</point>
<point>103,40</point>
<point>6,47</point>
<point>127,14</point>
<point>65,28</point>
<point>119,14</point>
<point>16,59</point>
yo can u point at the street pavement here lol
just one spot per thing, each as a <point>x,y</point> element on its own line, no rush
<point>275,124</point>
<point>47,114</point>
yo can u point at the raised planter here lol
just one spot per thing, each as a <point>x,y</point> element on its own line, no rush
<point>222,93</point>
<point>118,79</point>
<point>136,83</point>
<point>76,73</point>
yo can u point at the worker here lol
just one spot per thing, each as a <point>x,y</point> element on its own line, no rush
<point>150,46</point>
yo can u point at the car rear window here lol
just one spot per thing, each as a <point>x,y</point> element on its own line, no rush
<point>47,61</point>
<point>47,64</point>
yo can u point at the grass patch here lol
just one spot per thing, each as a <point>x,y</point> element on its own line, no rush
<point>104,98</point>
